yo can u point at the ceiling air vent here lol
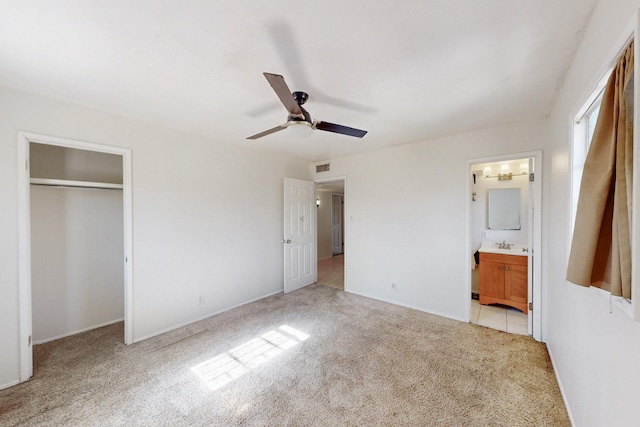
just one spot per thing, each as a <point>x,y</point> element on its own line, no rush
<point>324,167</point>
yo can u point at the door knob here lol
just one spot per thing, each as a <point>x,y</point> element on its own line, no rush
<point>286,241</point>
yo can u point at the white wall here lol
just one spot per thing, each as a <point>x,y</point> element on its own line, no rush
<point>325,245</point>
<point>207,216</point>
<point>596,350</point>
<point>406,215</point>
<point>50,161</point>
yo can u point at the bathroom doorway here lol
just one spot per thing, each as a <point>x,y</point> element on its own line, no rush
<point>330,199</point>
<point>503,239</point>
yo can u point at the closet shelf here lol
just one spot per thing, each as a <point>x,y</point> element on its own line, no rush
<point>78,184</point>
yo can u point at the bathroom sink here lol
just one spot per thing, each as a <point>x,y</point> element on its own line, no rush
<point>493,248</point>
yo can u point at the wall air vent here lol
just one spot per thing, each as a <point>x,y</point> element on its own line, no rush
<point>323,167</point>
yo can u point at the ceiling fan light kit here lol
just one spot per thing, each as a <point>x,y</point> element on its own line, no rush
<point>299,129</point>
<point>299,121</point>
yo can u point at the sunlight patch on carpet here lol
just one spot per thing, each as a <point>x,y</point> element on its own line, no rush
<point>226,367</point>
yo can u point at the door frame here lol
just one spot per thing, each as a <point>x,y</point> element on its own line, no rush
<point>345,240</point>
<point>536,248</point>
<point>25,320</point>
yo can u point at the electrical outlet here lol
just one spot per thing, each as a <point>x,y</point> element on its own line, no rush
<point>394,286</point>
<point>201,300</point>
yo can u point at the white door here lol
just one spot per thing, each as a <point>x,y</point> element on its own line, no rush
<point>336,223</point>
<point>300,258</point>
<point>530,238</point>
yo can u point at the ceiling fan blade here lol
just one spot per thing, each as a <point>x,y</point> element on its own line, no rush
<point>284,93</point>
<point>268,132</point>
<point>345,130</point>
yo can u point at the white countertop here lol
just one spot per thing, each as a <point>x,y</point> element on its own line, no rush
<point>492,248</point>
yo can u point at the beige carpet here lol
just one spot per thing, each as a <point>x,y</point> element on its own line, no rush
<point>317,356</point>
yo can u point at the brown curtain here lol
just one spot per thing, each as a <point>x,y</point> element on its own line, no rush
<point>601,246</point>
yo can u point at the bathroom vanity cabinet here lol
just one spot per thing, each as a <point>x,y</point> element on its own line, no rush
<point>503,280</point>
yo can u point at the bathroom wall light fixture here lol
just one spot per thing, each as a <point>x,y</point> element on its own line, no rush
<point>504,175</point>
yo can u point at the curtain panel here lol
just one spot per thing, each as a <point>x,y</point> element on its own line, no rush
<point>601,246</point>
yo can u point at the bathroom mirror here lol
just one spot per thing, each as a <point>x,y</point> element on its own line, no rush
<point>504,209</point>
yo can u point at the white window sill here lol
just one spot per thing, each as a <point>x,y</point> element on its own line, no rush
<point>622,303</point>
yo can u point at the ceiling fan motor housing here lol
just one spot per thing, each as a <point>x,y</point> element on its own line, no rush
<point>300,97</point>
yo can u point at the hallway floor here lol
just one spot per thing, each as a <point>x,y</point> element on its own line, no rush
<point>331,272</point>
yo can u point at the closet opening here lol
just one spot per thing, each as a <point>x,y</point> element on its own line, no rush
<point>75,238</point>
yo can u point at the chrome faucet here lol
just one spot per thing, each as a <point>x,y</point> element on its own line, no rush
<point>504,245</point>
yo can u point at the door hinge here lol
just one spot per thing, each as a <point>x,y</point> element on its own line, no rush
<point>530,306</point>
<point>29,341</point>
<point>532,177</point>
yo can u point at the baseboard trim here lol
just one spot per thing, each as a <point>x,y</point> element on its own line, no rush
<point>206,316</point>
<point>413,307</point>
<point>68,334</point>
<point>11,384</point>
<point>562,391</point>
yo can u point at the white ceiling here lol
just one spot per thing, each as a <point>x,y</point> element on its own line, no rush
<point>403,70</point>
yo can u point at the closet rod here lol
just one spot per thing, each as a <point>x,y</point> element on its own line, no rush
<point>75,184</point>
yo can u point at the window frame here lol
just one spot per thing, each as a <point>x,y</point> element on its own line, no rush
<point>581,143</point>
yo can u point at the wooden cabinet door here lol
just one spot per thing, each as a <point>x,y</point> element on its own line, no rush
<point>515,286</point>
<point>492,279</point>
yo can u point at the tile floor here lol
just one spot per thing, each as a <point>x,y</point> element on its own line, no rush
<point>502,318</point>
<point>331,272</point>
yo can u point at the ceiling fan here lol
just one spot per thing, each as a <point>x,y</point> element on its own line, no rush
<point>299,121</point>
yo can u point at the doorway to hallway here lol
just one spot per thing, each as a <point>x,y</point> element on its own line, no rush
<point>330,200</point>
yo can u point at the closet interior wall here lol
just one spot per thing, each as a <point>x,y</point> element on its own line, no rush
<point>77,247</point>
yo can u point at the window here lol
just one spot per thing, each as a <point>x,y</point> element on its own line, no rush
<point>602,186</point>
